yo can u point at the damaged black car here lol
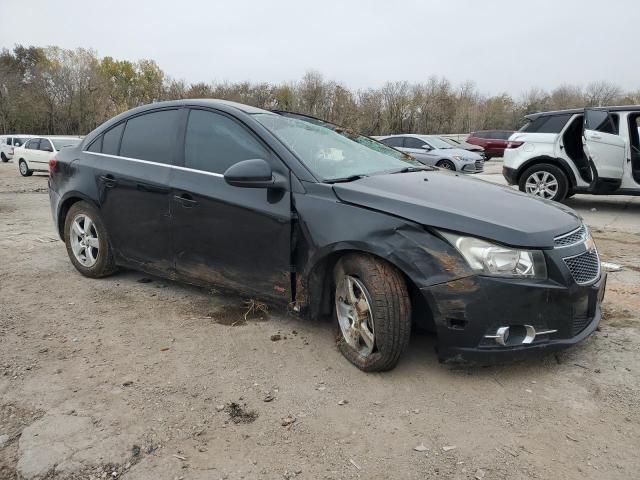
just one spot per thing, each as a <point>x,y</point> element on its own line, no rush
<point>294,209</point>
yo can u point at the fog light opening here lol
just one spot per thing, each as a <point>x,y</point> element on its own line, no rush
<point>516,335</point>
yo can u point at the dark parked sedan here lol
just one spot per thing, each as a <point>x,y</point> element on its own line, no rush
<point>273,206</point>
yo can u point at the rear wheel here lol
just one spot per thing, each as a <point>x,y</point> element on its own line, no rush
<point>24,169</point>
<point>446,164</point>
<point>546,181</point>
<point>373,312</point>
<point>87,241</point>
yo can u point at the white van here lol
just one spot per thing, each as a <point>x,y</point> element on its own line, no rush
<point>8,143</point>
<point>590,150</point>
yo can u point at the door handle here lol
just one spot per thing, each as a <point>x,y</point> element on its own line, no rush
<point>109,180</point>
<point>595,136</point>
<point>185,200</point>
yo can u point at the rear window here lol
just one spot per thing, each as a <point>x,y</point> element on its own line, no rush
<point>60,143</point>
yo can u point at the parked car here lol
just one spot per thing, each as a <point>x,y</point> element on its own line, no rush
<point>494,142</point>
<point>431,150</point>
<point>35,154</point>
<point>216,192</point>
<point>592,150</point>
<point>456,143</point>
<point>8,143</point>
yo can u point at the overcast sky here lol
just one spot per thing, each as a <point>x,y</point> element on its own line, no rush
<point>501,45</point>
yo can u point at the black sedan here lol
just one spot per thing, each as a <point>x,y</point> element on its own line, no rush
<point>295,210</point>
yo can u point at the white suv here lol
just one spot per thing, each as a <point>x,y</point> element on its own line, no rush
<point>8,143</point>
<point>591,150</point>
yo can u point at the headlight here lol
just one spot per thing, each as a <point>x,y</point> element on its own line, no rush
<point>488,258</point>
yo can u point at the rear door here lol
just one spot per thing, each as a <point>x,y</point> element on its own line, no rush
<point>132,167</point>
<point>225,235</point>
<point>602,143</point>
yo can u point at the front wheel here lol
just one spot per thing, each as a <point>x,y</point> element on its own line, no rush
<point>87,241</point>
<point>3,157</point>
<point>24,169</point>
<point>546,181</point>
<point>446,164</point>
<point>373,312</point>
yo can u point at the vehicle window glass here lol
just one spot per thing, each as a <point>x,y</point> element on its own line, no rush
<point>151,136</point>
<point>18,141</point>
<point>33,144</point>
<point>554,123</point>
<point>334,153</point>
<point>7,141</point>
<point>601,121</point>
<point>60,143</point>
<point>45,145</point>
<point>393,141</point>
<point>410,142</point>
<point>214,142</point>
<point>111,140</point>
<point>96,145</point>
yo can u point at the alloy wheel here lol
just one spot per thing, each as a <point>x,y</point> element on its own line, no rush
<point>543,184</point>
<point>353,309</point>
<point>84,240</point>
<point>23,168</point>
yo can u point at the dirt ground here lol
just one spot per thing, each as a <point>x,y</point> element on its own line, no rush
<point>137,377</point>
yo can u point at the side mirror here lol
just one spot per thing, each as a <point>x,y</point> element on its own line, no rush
<point>426,147</point>
<point>255,173</point>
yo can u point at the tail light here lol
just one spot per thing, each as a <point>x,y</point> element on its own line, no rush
<point>514,144</point>
<point>52,165</point>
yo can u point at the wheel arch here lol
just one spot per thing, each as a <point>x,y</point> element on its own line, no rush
<point>559,162</point>
<point>314,292</point>
<point>65,205</point>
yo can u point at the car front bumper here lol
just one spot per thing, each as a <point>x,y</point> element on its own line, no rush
<point>468,310</point>
<point>476,166</point>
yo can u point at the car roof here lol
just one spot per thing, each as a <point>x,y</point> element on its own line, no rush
<point>615,108</point>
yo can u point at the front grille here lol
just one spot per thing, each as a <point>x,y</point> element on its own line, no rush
<point>577,236</point>
<point>585,267</point>
<point>479,165</point>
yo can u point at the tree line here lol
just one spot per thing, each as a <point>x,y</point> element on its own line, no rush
<point>60,91</point>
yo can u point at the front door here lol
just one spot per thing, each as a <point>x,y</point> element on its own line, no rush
<point>132,167</point>
<point>602,144</point>
<point>225,235</point>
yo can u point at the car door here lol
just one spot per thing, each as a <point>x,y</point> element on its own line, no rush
<point>225,235</point>
<point>132,166</point>
<point>602,144</point>
<point>31,152</point>
<point>43,155</point>
<point>416,148</point>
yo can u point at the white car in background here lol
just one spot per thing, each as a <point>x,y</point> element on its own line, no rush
<point>8,143</point>
<point>35,154</point>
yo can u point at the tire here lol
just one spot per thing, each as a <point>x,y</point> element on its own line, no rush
<point>446,164</point>
<point>388,309</point>
<point>539,180</point>
<point>24,169</point>
<point>3,157</point>
<point>98,261</point>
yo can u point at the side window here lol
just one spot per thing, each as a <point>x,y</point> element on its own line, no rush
<point>33,144</point>
<point>410,142</point>
<point>214,142</point>
<point>393,141</point>
<point>151,136</point>
<point>45,145</point>
<point>602,121</point>
<point>8,141</point>
<point>96,145</point>
<point>111,140</point>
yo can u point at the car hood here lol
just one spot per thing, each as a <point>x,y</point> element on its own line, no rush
<point>460,152</point>
<point>463,204</point>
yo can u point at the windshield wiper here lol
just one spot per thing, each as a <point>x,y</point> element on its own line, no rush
<point>350,178</point>
<point>410,169</point>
